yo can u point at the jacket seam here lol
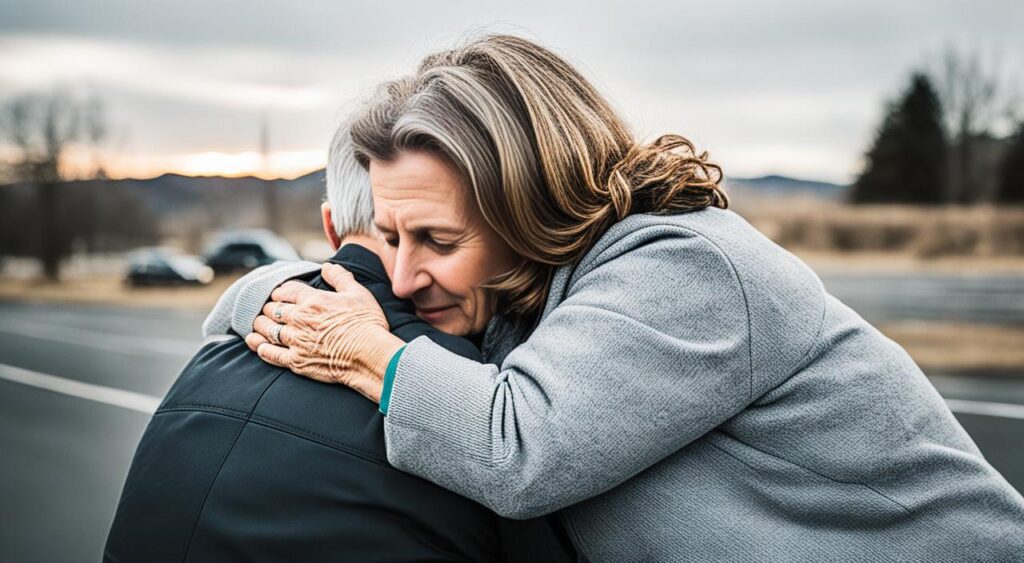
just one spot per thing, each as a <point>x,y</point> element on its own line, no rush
<point>190,406</point>
<point>821,329</point>
<point>315,437</point>
<point>227,454</point>
<point>805,468</point>
<point>746,306</point>
<point>582,553</point>
<point>746,303</point>
<point>291,430</point>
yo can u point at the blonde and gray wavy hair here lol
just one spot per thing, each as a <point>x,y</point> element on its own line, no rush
<point>550,164</point>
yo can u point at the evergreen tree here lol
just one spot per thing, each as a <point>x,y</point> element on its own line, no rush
<point>1011,177</point>
<point>907,163</point>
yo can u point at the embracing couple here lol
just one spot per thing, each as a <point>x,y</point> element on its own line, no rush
<point>542,340</point>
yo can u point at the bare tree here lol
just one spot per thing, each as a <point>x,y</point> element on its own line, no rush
<point>270,199</point>
<point>978,98</point>
<point>94,134</point>
<point>40,128</point>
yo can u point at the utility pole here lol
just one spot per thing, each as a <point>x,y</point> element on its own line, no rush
<point>270,205</point>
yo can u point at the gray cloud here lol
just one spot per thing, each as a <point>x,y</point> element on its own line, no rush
<point>791,87</point>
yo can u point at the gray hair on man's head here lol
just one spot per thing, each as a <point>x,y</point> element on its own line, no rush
<point>348,186</point>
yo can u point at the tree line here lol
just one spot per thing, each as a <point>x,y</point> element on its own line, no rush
<point>936,144</point>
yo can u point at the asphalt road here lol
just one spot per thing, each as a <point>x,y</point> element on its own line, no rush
<point>77,384</point>
<point>887,297</point>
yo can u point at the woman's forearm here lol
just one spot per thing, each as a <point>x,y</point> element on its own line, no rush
<point>371,363</point>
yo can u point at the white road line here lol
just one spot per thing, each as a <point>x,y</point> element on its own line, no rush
<point>985,408</point>
<point>108,395</point>
<point>118,343</point>
<point>148,403</point>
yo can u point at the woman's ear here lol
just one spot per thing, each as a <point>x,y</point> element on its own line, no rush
<point>329,230</point>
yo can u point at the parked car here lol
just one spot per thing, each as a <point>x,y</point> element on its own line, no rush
<point>166,266</point>
<point>247,249</point>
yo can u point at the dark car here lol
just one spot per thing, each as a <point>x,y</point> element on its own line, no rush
<point>166,266</point>
<point>245,250</point>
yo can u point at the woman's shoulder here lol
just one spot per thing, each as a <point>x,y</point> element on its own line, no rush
<point>719,230</point>
<point>715,253</point>
<point>720,227</point>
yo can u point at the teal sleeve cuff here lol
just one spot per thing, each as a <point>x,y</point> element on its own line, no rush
<point>389,381</point>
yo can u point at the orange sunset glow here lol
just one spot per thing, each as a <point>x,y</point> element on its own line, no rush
<point>280,164</point>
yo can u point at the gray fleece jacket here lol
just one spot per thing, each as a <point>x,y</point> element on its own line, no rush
<point>691,392</point>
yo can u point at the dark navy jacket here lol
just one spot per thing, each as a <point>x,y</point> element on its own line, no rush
<point>247,461</point>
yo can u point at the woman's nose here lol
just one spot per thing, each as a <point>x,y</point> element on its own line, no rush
<point>408,275</point>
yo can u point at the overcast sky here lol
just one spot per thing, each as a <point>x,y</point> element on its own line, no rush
<point>786,87</point>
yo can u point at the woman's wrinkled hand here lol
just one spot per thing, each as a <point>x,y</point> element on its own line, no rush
<point>333,337</point>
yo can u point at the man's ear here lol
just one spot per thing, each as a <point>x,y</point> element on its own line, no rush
<point>329,230</point>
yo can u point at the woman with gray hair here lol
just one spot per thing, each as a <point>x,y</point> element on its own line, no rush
<point>672,382</point>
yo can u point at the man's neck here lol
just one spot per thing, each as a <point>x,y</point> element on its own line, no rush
<point>368,242</point>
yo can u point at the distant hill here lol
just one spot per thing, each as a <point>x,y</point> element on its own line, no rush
<point>189,205</point>
<point>170,193</point>
<point>775,186</point>
<point>173,193</point>
<point>113,215</point>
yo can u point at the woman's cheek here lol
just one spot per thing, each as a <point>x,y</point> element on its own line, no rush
<point>458,275</point>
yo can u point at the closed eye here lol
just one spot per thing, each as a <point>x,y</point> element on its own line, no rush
<point>441,247</point>
<point>390,237</point>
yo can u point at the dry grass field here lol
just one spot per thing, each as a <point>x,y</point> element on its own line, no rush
<point>928,235</point>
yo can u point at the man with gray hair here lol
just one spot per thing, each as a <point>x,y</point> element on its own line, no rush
<point>245,461</point>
